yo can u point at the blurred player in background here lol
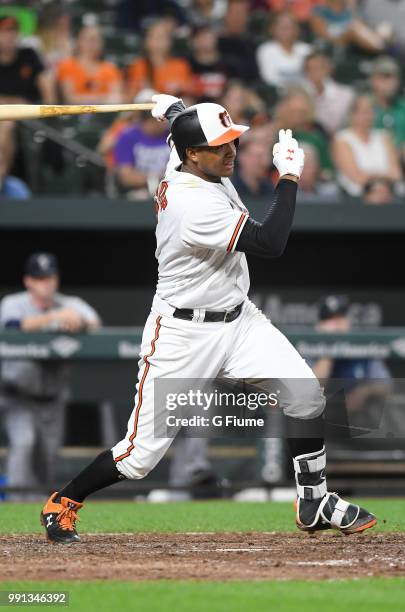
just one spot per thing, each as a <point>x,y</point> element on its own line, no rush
<point>34,393</point>
<point>366,382</point>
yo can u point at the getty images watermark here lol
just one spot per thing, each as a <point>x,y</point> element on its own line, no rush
<point>218,399</point>
<point>208,407</point>
<point>264,408</point>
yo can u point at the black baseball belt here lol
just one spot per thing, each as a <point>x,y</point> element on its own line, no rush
<point>210,316</point>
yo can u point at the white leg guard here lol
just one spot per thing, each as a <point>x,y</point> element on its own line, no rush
<point>317,509</point>
<point>310,475</point>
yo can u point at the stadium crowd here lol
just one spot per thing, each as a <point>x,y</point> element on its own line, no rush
<point>329,69</point>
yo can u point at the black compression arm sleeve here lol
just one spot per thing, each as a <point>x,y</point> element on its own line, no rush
<point>269,239</point>
<point>173,110</point>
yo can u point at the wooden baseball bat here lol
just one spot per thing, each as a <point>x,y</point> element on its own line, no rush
<point>13,112</point>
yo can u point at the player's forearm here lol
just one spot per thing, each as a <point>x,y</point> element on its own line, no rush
<point>269,239</point>
<point>92,325</point>
<point>36,322</point>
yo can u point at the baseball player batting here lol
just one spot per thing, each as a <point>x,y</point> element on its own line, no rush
<point>202,324</point>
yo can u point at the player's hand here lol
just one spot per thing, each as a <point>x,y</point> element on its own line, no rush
<point>68,320</point>
<point>163,103</point>
<point>287,156</point>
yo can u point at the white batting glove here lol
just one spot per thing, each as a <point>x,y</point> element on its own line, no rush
<point>287,156</point>
<point>163,103</point>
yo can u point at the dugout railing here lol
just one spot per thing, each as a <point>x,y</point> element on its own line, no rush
<point>103,379</point>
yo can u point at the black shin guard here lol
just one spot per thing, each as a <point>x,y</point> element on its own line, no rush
<point>101,473</point>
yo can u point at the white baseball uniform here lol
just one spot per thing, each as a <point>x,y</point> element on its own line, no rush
<point>198,227</point>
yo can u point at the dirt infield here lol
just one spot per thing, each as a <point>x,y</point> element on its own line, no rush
<point>254,556</point>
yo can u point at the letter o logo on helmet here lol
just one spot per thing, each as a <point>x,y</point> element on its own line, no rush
<point>202,125</point>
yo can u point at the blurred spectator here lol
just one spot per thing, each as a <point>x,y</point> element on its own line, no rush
<point>296,111</point>
<point>25,15</point>
<point>389,105</point>
<point>378,191</point>
<point>335,22</point>
<point>109,138</point>
<point>366,382</point>
<point>301,9</point>
<point>280,60</point>
<point>362,152</point>
<point>55,34</point>
<point>35,392</point>
<point>141,154</point>
<point>332,99</point>
<point>11,186</point>
<point>243,104</point>
<point>209,70</point>
<point>86,78</point>
<point>235,44</point>
<point>157,69</point>
<point>387,17</point>
<point>202,12</point>
<point>312,189</point>
<point>252,176</point>
<point>23,78</point>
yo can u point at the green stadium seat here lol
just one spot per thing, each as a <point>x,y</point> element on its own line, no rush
<point>26,17</point>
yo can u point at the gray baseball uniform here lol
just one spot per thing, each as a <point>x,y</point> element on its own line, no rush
<point>34,395</point>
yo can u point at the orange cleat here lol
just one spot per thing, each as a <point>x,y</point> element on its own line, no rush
<point>59,519</point>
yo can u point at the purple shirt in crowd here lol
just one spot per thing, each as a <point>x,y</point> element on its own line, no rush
<point>148,154</point>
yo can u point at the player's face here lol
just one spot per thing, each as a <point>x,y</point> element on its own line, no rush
<point>42,288</point>
<point>339,323</point>
<point>214,162</point>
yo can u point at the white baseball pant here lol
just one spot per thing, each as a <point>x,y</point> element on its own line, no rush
<point>248,347</point>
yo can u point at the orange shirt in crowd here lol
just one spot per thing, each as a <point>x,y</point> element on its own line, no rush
<point>174,76</point>
<point>302,9</point>
<point>92,84</point>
